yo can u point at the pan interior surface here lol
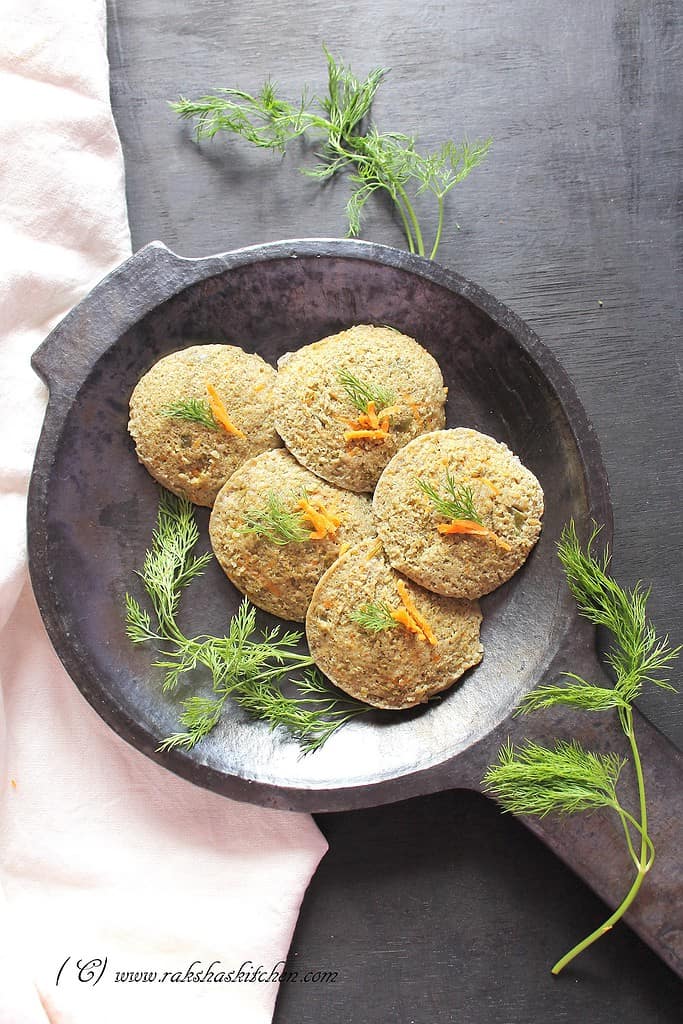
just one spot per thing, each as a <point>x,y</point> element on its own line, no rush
<point>102,506</point>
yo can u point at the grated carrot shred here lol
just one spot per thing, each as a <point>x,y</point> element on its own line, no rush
<point>415,409</point>
<point>374,550</point>
<point>492,487</point>
<point>419,619</point>
<point>323,522</point>
<point>473,529</point>
<point>374,435</point>
<point>368,425</point>
<point>408,622</point>
<point>220,413</point>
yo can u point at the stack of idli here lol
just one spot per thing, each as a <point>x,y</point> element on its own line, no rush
<point>387,583</point>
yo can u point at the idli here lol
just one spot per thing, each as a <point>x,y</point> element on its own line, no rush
<point>458,512</point>
<point>346,404</point>
<point>276,527</point>
<point>385,640</point>
<point>198,414</point>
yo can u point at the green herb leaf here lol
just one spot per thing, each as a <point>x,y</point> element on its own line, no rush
<point>579,694</point>
<point>277,523</point>
<point>362,392</point>
<point>194,410</point>
<point>536,780</point>
<point>375,617</point>
<point>639,654</point>
<point>458,503</point>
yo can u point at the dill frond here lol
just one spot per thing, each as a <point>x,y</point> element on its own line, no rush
<point>277,523</point>
<point>578,694</point>
<point>312,716</point>
<point>376,161</point>
<point>361,392</point>
<point>639,655</point>
<point>264,119</point>
<point>138,622</point>
<point>170,564</point>
<point>537,780</point>
<point>375,617</point>
<point>194,410</point>
<point>458,503</point>
<point>244,665</point>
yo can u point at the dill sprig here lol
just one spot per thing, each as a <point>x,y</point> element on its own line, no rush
<point>277,523</point>
<point>458,503</point>
<point>638,655</point>
<point>362,393</point>
<point>537,780</point>
<point>375,617</point>
<point>315,714</point>
<point>387,162</point>
<point>195,410</point>
<point>244,665</point>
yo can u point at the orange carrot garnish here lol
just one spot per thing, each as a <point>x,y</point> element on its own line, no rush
<point>419,619</point>
<point>323,522</point>
<point>408,622</point>
<point>368,425</point>
<point>374,550</point>
<point>220,413</point>
<point>474,529</point>
<point>369,435</point>
<point>415,409</point>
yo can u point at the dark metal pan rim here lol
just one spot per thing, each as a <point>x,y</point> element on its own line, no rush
<point>419,779</point>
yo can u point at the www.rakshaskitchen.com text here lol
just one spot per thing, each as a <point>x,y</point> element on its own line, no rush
<point>91,971</point>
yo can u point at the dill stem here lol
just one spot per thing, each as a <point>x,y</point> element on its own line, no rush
<point>419,241</point>
<point>627,833</point>
<point>281,669</point>
<point>643,863</point>
<point>439,229</point>
<point>630,734</point>
<point>626,820</point>
<point>609,923</point>
<point>406,225</point>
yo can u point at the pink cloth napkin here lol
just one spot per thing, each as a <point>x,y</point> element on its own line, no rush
<point>102,852</point>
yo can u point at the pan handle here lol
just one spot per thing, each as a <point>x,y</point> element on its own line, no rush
<point>117,302</point>
<point>593,844</point>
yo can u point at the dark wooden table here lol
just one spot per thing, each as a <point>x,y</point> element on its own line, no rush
<point>440,910</point>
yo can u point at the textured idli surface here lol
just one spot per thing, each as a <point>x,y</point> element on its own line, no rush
<point>391,668</point>
<point>507,497</point>
<point>281,577</point>
<point>191,459</point>
<point>314,411</point>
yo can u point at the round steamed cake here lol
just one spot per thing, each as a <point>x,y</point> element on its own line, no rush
<point>281,577</point>
<point>193,459</point>
<point>507,497</point>
<point>390,668</point>
<point>314,410</point>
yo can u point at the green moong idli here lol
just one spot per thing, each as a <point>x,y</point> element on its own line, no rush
<point>198,414</point>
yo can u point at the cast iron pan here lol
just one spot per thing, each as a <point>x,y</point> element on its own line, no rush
<point>92,508</point>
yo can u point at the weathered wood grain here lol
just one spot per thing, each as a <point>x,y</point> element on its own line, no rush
<point>439,910</point>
